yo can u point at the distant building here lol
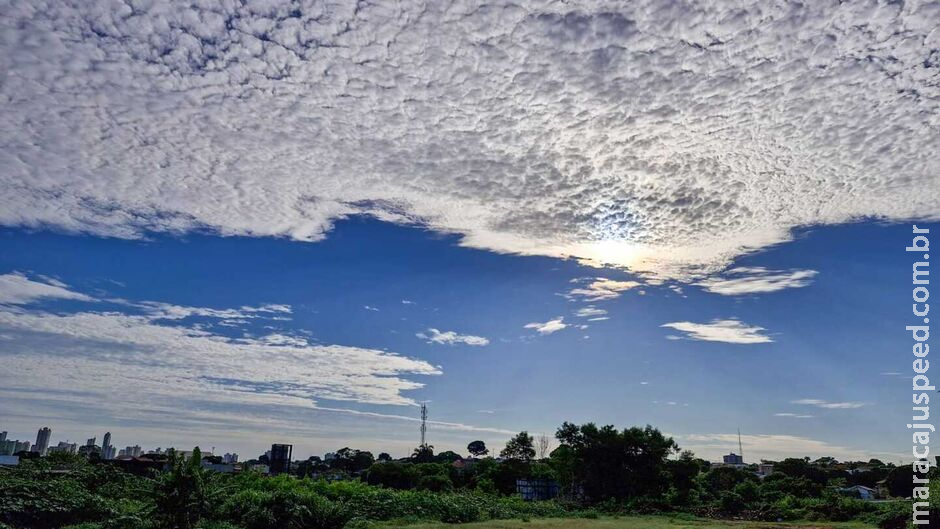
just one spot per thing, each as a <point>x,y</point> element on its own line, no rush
<point>91,442</point>
<point>224,468</point>
<point>280,459</point>
<point>230,458</point>
<point>765,469</point>
<point>11,447</point>
<point>63,448</point>
<point>131,451</point>
<point>3,436</point>
<point>861,492</point>
<point>733,459</point>
<point>107,451</point>
<point>42,440</point>
<point>89,450</point>
<point>6,447</point>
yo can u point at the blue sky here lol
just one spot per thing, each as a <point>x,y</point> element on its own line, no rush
<point>232,223</point>
<point>377,286</point>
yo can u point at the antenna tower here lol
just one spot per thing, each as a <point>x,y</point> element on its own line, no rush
<point>424,423</point>
<point>740,446</point>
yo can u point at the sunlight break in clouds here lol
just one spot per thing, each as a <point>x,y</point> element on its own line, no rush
<point>728,331</point>
<point>548,327</point>
<point>451,338</point>
<point>756,280</point>
<point>669,138</point>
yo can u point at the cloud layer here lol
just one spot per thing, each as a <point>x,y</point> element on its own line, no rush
<point>148,361</point>
<point>728,331</point>
<point>665,137</point>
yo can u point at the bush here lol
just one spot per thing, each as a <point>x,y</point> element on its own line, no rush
<point>255,509</point>
<point>435,484</point>
<point>731,502</point>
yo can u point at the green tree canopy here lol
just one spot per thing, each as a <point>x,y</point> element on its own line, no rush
<point>520,447</point>
<point>614,464</point>
<point>477,448</point>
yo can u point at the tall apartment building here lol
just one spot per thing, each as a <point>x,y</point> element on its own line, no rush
<point>42,440</point>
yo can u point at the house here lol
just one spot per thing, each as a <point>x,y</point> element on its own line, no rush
<point>765,469</point>
<point>463,464</point>
<point>860,491</point>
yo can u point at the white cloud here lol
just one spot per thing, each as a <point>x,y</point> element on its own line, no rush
<point>548,327</point>
<point>450,338</point>
<point>664,137</point>
<point>120,354</point>
<point>829,405</point>
<point>373,309</point>
<point>600,289</point>
<point>728,331</point>
<point>169,311</point>
<point>794,415</point>
<point>756,280</point>
<point>17,289</point>
<point>139,364</point>
<point>590,312</point>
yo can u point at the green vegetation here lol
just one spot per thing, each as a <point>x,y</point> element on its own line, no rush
<point>631,522</point>
<point>607,477</point>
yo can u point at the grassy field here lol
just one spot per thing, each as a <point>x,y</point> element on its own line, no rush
<point>632,522</point>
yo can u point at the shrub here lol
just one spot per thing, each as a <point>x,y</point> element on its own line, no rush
<point>282,509</point>
<point>731,502</point>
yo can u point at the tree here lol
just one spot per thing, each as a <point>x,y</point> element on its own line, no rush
<point>612,464</point>
<point>447,457</point>
<point>423,454</point>
<point>185,493</point>
<point>543,446</point>
<point>352,460</point>
<point>384,456</point>
<point>802,468</point>
<point>900,482</point>
<point>312,466</point>
<point>402,476</point>
<point>519,447</point>
<point>682,474</point>
<point>477,448</point>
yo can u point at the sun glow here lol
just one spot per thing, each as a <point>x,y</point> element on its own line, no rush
<point>610,253</point>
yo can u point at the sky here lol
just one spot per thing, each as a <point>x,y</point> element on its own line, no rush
<point>231,225</point>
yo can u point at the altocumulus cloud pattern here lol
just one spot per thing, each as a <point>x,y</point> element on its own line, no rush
<point>663,136</point>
